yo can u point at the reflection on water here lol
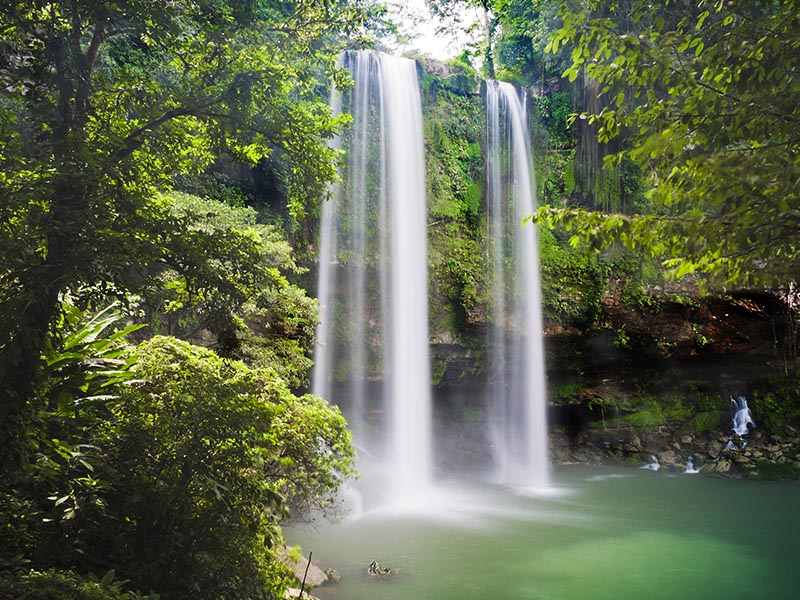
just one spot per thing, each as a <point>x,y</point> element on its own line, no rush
<point>609,533</point>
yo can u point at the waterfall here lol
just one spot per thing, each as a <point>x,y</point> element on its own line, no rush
<point>517,393</point>
<point>326,277</point>
<point>372,284</point>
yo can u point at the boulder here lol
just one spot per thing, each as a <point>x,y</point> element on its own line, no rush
<point>295,593</point>
<point>315,576</point>
<point>714,449</point>
<point>721,466</point>
<point>668,458</point>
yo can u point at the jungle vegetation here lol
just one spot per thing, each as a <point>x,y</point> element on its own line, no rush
<point>161,165</point>
<point>132,462</point>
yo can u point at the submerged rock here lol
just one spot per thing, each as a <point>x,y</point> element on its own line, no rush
<point>333,575</point>
<point>376,569</point>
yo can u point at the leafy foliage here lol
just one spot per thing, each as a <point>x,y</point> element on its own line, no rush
<point>572,282</point>
<point>707,95</point>
<point>105,102</point>
<point>172,466</point>
<point>247,303</point>
<point>454,130</point>
<point>204,458</point>
<point>66,585</point>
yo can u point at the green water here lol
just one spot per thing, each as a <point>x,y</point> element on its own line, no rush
<point>616,534</point>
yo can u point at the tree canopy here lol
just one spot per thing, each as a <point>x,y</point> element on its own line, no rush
<point>705,97</point>
<point>167,463</point>
<point>103,103</point>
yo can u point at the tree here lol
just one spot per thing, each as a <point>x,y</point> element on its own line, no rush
<point>204,458</point>
<point>105,102</point>
<point>450,11</point>
<point>165,464</point>
<point>707,95</point>
<point>248,308</point>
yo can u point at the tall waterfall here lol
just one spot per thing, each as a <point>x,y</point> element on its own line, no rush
<point>373,273</point>
<point>517,392</point>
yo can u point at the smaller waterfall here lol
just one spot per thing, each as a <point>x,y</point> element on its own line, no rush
<point>517,393</point>
<point>690,468</point>
<point>653,465</point>
<point>742,419</point>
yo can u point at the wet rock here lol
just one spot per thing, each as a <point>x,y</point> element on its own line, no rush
<point>579,456</point>
<point>723,465</point>
<point>668,458</point>
<point>714,449</point>
<point>687,439</point>
<point>314,577</point>
<point>633,445</point>
<point>295,593</point>
<point>376,569</point>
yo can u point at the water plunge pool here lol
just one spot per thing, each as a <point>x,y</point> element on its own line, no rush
<point>604,533</point>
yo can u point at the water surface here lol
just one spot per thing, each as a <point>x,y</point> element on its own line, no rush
<point>605,533</point>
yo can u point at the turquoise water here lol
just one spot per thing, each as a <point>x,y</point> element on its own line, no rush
<point>604,533</point>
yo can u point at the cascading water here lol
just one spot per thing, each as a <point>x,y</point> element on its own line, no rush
<point>517,393</point>
<point>326,277</point>
<point>742,418</point>
<point>653,465</point>
<point>373,273</point>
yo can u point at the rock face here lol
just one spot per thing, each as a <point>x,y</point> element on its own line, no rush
<point>761,456</point>
<point>315,576</point>
<point>653,380</point>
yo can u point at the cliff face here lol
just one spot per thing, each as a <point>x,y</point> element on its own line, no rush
<point>635,366</point>
<point>654,381</point>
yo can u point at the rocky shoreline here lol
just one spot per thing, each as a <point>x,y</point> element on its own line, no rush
<point>755,456</point>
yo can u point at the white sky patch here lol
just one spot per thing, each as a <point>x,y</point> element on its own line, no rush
<point>418,30</point>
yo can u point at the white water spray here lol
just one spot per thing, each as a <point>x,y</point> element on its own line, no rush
<point>517,395</point>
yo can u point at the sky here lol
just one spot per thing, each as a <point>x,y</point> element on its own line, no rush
<point>418,22</point>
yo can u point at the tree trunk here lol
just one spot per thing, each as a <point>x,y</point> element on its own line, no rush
<point>20,358</point>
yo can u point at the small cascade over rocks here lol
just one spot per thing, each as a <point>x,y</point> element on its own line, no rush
<point>690,468</point>
<point>653,465</point>
<point>742,419</point>
<point>742,424</point>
